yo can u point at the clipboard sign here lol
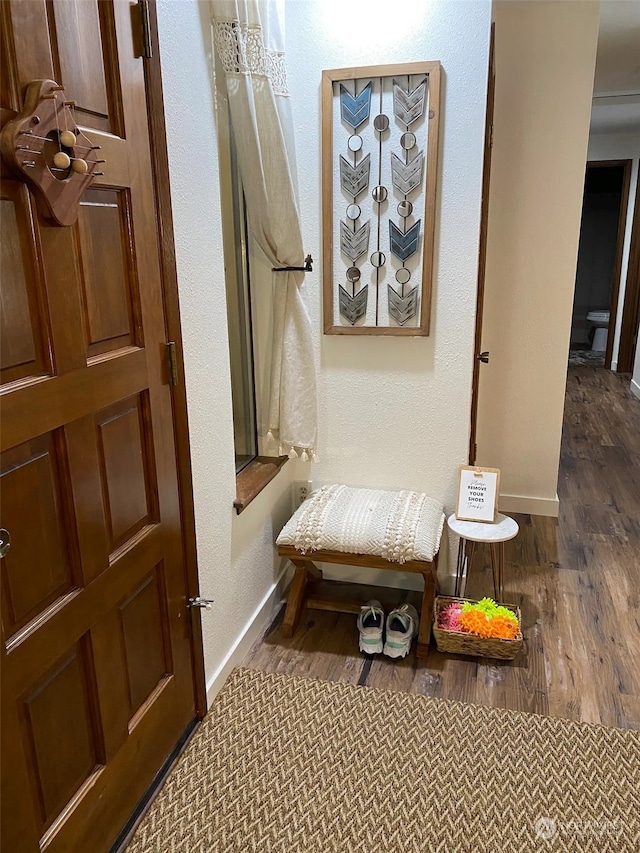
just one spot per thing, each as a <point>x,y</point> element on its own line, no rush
<point>478,490</point>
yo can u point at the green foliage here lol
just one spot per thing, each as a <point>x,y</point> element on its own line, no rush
<point>489,607</point>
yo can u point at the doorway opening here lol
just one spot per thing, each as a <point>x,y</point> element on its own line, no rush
<point>602,230</point>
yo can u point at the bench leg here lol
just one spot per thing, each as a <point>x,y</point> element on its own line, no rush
<point>306,573</point>
<point>314,575</point>
<point>426,614</point>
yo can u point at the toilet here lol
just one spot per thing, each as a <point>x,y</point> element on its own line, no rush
<point>599,319</point>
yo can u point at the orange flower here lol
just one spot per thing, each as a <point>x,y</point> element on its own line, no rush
<point>503,628</point>
<point>475,622</point>
<point>499,627</point>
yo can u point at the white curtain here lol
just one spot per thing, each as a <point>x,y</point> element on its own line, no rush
<point>249,43</point>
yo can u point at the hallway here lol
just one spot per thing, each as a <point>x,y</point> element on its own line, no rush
<point>576,579</point>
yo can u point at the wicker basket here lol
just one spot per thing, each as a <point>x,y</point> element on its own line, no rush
<point>457,643</point>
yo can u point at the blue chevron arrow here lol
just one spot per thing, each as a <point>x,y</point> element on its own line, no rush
<point>404,245</point>
<point>355,110</point>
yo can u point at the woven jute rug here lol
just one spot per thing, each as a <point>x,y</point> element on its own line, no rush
<point>290,764</point>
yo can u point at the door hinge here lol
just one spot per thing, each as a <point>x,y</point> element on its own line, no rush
<point>491,136</point>
<point>146,50</point>
<point>172,362</point>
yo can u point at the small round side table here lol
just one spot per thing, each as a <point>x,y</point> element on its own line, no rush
<point>495,534</point>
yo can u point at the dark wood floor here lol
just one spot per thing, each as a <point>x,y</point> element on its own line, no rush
<point>576,578</point>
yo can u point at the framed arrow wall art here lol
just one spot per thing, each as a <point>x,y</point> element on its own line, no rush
<point>380,137</point>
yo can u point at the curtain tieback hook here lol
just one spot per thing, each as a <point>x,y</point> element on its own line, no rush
<point>306,268</point>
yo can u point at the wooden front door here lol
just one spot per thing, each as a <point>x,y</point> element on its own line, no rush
<point>97,672</point>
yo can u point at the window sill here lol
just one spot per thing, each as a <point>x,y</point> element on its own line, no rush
<point>252,479</point>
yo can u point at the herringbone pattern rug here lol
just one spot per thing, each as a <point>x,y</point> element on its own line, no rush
<point>289,764</point>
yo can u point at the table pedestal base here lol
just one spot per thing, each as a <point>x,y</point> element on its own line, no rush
<point>466,550</point>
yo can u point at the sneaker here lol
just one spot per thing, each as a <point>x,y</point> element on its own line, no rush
<point>370,625</point>
<point>402,627</point>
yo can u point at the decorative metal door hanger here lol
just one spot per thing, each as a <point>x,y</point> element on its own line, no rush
<point>45,147</point>
<point>392,149</point>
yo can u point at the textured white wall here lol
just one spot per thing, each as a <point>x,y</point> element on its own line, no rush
<point>394,412</point>
<point>619,146</point>
<point>236,558</point>
<point>545,58</point>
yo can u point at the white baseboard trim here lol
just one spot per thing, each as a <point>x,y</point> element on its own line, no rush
<point>249,634</point>
<point>635,389</point>
<point>533,506</point>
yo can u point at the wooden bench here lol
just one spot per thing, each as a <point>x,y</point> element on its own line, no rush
<point>307,575</point>
<point>400,532</point>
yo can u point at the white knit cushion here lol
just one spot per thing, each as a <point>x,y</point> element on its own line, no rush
<point>397,526</point>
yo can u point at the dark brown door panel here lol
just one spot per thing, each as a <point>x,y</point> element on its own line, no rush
<point>97,650</point>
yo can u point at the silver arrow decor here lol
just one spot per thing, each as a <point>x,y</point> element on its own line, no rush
<point>379,165</point>
<point>403,308</point>
<point>406,176</point>
<point>354,244</point>
<point>354,179</point>
<point>408,105</point>
<point>353,308</point>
